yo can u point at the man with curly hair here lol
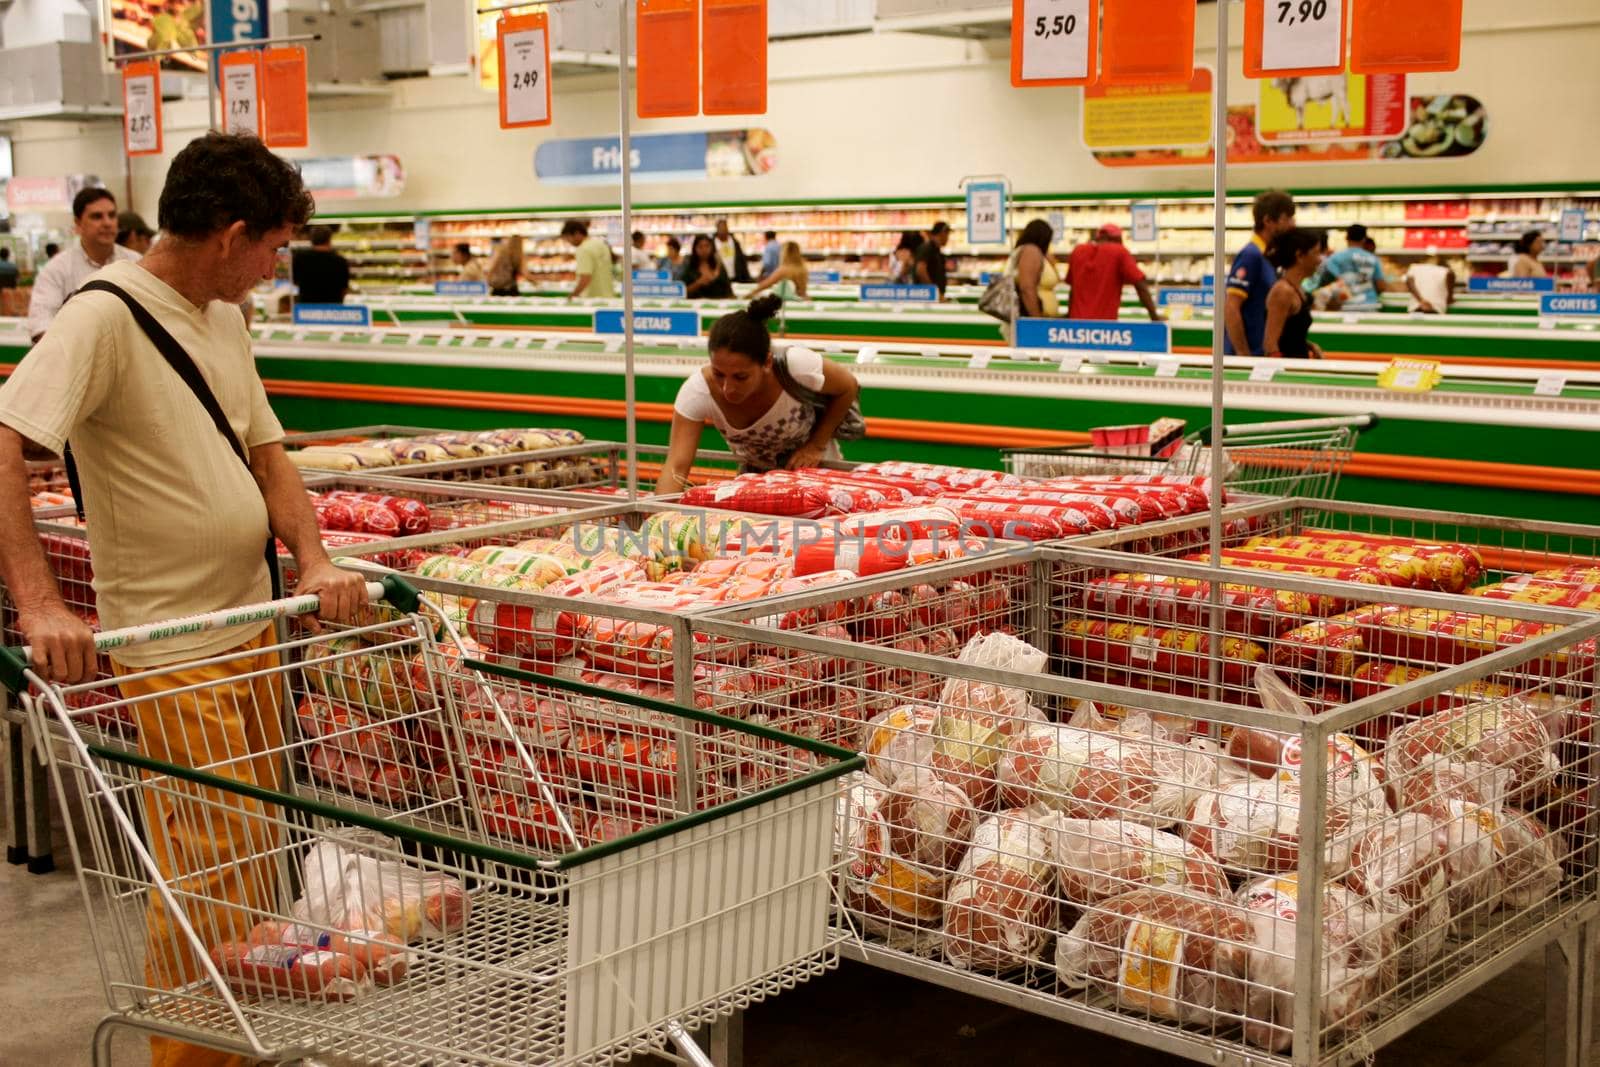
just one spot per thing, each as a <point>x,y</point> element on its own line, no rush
<point>178,516</point>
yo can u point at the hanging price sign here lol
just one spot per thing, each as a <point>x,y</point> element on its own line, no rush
<point>141,109</point>
<point>241,93</point>
<point>1402,36</point>
<point>1053,41</point>
<point>286,121</point>
<point>1293,37</point>
<point>523,42</point>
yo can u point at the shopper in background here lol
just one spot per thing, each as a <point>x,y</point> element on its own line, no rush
<point>9,271</point>
<point>904,270</point>
<point>671,259</point>
<point>50,251</point>
<point>1035,273</point>
<point>321,275</point>
<point>505,267</point>
<point>94,213</point>
<point>1096,273</point>
<point>593,264</point>
<point>1359,269</point>
<point>791,278</point>
<point>768,422</point>
<point>771,254</point>
<point>1432,286</point>
<point>468,269</point>
<point>703,275</point>
<point>177,524</point>
<point>133,233</point>
<point>638,255</point>
<point>1297,255</point>
<point>929,262</point>
<point>1251,277</point>
<point>1526,265</point>
<point>731,253</point>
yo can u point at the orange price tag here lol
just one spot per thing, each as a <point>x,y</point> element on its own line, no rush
<point>1053,42</point>
<point>1294,37</point>
<point>522,43</point>
<point>1401,36</point>
<point>735,32</point>
<point>241,93</point>
<point>141,109</point>
<point>669,58</point>
<point>1147,42</point>
<point>285,119</point>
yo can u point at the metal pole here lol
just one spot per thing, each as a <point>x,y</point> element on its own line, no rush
<point>1219,296</point>
<point>1219,271</point>
<point>629,386</point>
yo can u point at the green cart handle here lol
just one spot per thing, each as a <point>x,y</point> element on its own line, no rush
<point>393,589</point>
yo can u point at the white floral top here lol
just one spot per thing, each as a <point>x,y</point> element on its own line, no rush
<point>767,443</point>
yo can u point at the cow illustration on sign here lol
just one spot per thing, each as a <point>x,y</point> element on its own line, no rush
<point>1331,89</point>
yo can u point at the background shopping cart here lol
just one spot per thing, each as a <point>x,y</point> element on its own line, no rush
<point>532,933</point>
<point>1294,457</point>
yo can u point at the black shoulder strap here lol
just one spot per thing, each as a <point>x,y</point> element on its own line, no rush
<point>178,359</point>
<point>181,362</point>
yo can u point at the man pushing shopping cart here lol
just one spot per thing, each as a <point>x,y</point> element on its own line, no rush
<point>179,473</point>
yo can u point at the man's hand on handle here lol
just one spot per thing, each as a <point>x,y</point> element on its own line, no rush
<point>343,592</point>
<point>62,644</point>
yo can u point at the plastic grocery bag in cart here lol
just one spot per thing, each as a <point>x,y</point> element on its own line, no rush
<point>403,926</point>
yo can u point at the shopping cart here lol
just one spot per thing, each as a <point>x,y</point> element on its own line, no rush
<point>1293,457</point>
<point>499,920</point>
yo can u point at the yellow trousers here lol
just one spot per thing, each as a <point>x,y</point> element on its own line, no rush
<point>216,850</point>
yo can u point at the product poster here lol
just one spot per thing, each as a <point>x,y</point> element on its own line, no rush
<point>154,25</point>
<point>1158,116</point>
<point>1331,107</point>
<point>1439,127</point>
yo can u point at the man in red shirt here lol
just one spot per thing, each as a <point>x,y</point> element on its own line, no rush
<point>1096,273</point>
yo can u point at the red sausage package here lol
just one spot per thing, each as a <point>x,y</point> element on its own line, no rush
<point>1508,734</point>
<point>1165,955</point>
<point>410,516</point>
<point>889,893</point>
<point>290,973</point>
<point>1399,866</point>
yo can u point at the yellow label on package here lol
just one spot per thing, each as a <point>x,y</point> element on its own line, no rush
<point>1411,375</point>
<point>1152,956</point>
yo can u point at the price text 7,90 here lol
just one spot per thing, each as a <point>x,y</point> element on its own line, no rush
<point>1065,25</point>
<point>1291,14</point>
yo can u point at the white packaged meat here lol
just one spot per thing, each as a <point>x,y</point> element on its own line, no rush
<point>1000,908</point>
<point>1161,954</point>
<point>1399,866</point>
<point>889,895</point>
<point>930,820</point>
<point>1357,967</point>
<point>1355,782</point>
<point>1495,856</point>
<point>1507,733</point>
<point>898,740</point>
<point>966,753</point>
<point>1255,826</point>
<point>1101,858</point>
<point>1135,772</point>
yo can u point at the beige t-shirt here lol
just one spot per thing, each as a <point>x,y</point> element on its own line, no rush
<point>594,259</point>
<point>176,523</point>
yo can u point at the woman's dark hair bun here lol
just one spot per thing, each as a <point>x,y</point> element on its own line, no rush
<point>765,306</point>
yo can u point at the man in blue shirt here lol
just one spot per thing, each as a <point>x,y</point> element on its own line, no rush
<point>1359,268</point>
<point>770,254</point>
<point>1251,277</point>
